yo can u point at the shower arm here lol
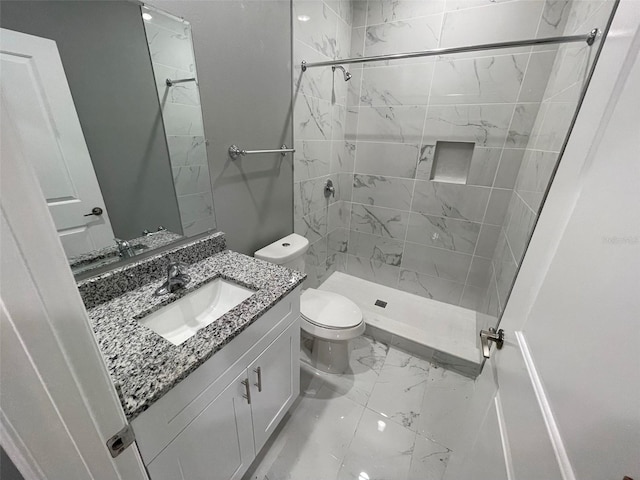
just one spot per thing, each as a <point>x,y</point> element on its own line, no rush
<point>347,75</point>
<point>588,38</point>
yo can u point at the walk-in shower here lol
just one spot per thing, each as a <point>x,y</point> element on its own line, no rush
<point>441,146</point>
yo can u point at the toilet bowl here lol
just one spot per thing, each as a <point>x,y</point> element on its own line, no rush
<point>329,318</point>
<point>332,320</point>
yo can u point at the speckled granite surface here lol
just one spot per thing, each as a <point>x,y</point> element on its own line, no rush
<point>106,286</point>
<point>107,255</point>
<point>143,365</point>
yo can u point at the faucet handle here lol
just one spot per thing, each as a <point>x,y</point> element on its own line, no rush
<point>329,189</point>
<point>121,243</point>
<point>175,268</point>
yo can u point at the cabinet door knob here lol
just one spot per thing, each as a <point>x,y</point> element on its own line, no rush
<point>259,384</point>
<point>245,382</point>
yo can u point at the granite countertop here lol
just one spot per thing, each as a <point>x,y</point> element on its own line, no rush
<point>142,364</point>
<point>104,256</point>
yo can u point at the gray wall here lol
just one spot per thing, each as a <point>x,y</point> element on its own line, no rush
<point>243,56</point>
<point>105,56</point>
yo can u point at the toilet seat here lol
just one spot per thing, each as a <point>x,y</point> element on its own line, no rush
<point>330,316</point>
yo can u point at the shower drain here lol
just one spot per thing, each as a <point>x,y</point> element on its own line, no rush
<point>380,303</point>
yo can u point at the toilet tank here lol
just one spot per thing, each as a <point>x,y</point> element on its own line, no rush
<point>288,251</point>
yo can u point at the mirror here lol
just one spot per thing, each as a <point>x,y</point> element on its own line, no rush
<point>135,167</point>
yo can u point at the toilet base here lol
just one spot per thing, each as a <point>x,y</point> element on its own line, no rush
<point>330,356</point>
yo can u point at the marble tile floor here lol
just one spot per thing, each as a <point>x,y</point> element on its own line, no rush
<point>392,416</point>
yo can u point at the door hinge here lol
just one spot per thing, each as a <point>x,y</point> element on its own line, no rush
<point>121,440</point>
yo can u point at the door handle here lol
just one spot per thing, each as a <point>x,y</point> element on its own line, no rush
<point>259,384</point>
<point>491,335</point>
<point>245,382</point>
<point>97,211</point>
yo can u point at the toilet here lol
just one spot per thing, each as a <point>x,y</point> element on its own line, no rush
<point>329,318</point>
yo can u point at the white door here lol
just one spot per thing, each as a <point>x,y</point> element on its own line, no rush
<point>275,383</point>
<point>58,405</point>
<point>37,99</point>
<point>216,445</point>
<point>562,397</point>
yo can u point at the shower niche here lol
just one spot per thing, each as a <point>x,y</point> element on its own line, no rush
<point>451,162</point>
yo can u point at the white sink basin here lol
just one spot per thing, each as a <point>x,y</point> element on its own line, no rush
<point>181,319</point>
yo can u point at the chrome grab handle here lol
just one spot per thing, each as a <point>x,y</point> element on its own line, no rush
<point>259,384</point>
<point>235,151</point>
<point>491,335</point>
<point>171,83</point>
<point>245,382</point>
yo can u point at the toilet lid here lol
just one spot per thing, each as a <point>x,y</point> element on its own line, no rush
<point>328,309</point>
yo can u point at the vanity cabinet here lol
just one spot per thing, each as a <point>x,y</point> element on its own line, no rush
<point>273,388</point>
<point>213,424</point>
<point>216,444</point>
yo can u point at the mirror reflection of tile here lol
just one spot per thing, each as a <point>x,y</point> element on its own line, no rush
<point>451,162</point>
<point>172,57</point>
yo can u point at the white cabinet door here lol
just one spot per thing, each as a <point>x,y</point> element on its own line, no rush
<point>216,445</point>
<point>275,383</point>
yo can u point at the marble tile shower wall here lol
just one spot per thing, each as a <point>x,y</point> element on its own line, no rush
<point>542,152</point>
<point>172,57</point>
<point>322,31</point>
<point>392,224</point>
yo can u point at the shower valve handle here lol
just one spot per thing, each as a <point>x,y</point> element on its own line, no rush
<point>329,189</point>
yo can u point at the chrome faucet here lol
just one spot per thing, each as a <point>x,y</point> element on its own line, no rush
<point>125,250</point>
<point>175,279</point>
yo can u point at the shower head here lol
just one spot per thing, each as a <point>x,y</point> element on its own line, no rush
<point>347,75</point>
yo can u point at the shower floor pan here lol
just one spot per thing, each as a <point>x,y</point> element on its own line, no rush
<point>438,332</point>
